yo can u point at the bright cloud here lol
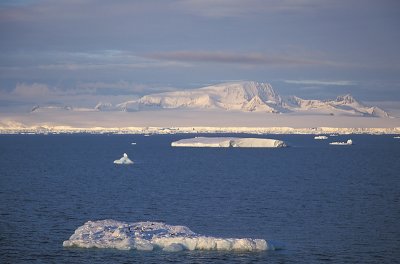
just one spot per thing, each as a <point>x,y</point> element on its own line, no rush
<point>236,58</point>
<point>319,82</point>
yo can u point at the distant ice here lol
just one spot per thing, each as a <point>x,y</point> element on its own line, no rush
<point>320,137</point>
<point>123,160</point>
<point>155,235</point>
<point>226,142</point>
<point>396,137</point>
<point>348,142</point>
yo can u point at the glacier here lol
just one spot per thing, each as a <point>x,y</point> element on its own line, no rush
<point>226,142</point>
<point>148,236</point>
<point>123,160</point>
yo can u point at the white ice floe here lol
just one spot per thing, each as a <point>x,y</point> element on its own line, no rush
<point>396,137</point>
<point>320,137</point>
<point>226,142</point>
<point>348,142</point>
<point>155,235</point>
<point>123,160</point>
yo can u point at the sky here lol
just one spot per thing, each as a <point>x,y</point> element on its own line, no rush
<point>83,51</point>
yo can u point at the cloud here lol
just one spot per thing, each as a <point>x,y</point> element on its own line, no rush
<point>101,60</point>
<point>122,88</point>
<point>35,90</point>
<point>319,82</point>
<point>234,58</point>
<point>68,10</point>
<point>82,93</point>
<point>238,8</point>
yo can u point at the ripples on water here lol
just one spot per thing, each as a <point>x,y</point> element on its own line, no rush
<point>325,203</point>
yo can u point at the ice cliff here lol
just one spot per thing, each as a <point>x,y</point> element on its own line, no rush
<point>226,142</point>
<point>154,235</point>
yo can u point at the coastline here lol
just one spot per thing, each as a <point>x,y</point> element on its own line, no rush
<point>47,129</point>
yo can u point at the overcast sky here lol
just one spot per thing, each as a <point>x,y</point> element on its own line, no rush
<point>85,49</point>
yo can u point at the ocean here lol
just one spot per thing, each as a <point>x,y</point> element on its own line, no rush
<point>319,203</point>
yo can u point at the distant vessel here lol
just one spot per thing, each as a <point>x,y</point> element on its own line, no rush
<point>320,137</point>
<point>348,142</point>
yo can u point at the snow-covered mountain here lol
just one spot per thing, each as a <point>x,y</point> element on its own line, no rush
<point>243,96</point>
<point>246,97</point>
<point>341,105</point>
<point>43,108</point>
<point>233,96</point>
<point>58,108</point>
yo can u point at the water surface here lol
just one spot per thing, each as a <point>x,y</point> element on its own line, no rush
<point>324,203</point>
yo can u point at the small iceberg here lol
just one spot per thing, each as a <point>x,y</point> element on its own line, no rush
<point>396,137</point>
<point>133,143</point>
<point>320,137</point>
<point>155,235</point>
<point>226,142</point>
<point>123,160</point>
<point>348,142</point>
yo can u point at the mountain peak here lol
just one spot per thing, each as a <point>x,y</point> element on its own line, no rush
<point>245,90</point>
<point>347,99</point>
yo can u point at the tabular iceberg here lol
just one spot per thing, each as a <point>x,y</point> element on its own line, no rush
<point>123,160</point>
<point>348,142</point>
<point>226,142</point>
<point>155,235</point>
<point>320,137</point>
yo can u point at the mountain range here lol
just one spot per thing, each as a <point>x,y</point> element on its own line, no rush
<point>245,96</point>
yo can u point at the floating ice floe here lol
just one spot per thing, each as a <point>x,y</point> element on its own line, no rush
<point>320,137</point>
<point>123,160</point>
<point>155,235</point>
<point>133,143</point>
<point>396,137</point>
<point>348,142</point>
<point>226,142</point>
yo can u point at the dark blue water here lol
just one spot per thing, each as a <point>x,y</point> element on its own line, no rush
<point>325,203</point>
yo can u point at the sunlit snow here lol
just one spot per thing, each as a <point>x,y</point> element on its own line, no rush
<point>226,142</point>
<point>348,142</point>
<point>154,235</point>
<point>123,160</point>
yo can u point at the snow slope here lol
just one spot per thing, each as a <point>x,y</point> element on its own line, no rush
<point>244,96</point>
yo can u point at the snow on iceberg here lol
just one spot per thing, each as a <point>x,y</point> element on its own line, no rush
<point>226,142</point>
<point>155,235</point>
<point>123,160</point>
<point>348,142</point>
